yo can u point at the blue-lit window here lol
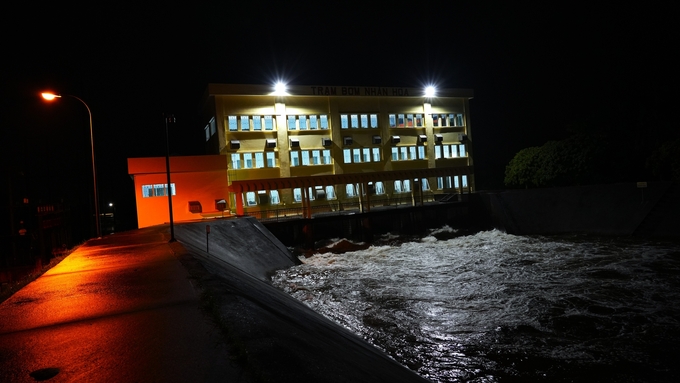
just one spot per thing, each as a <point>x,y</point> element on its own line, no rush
<point>347,156</point>
<point>302,122</point>
<point>271,159</point>
<point>231,121</point>
<point>393,120</point>
<point>350,190</point>
<point>425,184</point>
<point>461,147</point>
<point>354,119</point>
<point>274,198</point>
<point>395,154</point>
<point>367,154</point>
<point>291,122</point>
<point>305,157</point>
<point>268,123</point>
<point>374,120</point>
<point>357,155</point>
<point>376,154</point>
<point>344,121</point>
<point>397,186</point>
<point>251,199</point>
<point>294,159</point>
<point>400,120</point>
<point>245,123</point>
<point>412,152</point>
<point>465,182</point>
<point>446,151</point>
<point>297,194</point>
<point>409,120</point>
<point>379,188</point>
<point>259,160</point>
<point>364,121</point>
<point>313,122</point>
<point>437,152</point>
<point>459,119</point>
<point>324,121</point>
<point>326,157</point>
<point>421,152</point>
<point>247,160</point>
<point>330,192</point>
<point>235,161</point>
<point>257,123</point>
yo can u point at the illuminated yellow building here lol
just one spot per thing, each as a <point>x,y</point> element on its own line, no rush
<point>323,148</point>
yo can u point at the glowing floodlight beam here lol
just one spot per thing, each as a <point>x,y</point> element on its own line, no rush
<point>49,96</point>
<point>430,91</point>
<point>279,89</point>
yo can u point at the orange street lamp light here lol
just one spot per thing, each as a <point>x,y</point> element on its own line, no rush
<point>50,97</point>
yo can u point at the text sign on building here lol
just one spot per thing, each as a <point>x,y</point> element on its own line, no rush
<point>361,91</point>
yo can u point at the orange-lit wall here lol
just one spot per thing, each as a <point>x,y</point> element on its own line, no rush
<point>196,178</point>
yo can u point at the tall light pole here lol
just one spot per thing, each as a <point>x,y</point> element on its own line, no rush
<point>50,97</point>
<point>169,119</point>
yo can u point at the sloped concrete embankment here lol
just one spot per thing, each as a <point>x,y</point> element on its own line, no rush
<point>279,338</point>
<point>616,209</point>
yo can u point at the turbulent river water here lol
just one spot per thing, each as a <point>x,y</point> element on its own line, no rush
<point>494,307</point>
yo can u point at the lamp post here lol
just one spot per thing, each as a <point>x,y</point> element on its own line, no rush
<point>50,97</point>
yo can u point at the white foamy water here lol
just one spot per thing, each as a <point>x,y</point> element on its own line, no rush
<point>493,307</point>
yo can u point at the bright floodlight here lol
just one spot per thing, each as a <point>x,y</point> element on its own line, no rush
<point>49,96</point>
<point>280,89</point>
<point>430,91</point>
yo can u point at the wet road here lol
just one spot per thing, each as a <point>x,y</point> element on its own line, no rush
<point>119,309</point>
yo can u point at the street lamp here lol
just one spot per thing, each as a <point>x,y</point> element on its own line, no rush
<point>50,97</point>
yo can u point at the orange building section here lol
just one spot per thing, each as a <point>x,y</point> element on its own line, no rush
<point>200,184</point>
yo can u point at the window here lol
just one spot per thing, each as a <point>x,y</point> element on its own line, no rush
<point>364,121</point>
<point>268,123</point>
<point>245,123</point>
<point>425,184</point>
<point>344,121</point>
<point>465,183</point>
<point>367,154</point>
<point>374,120</point>
<point>207,132</point>
<point>461,147</point>
<point>419,120</point>
<point>271,159</point>
<point>400,120</point>
<point>324,121</point>
<point>376,154</point>
<point>354,120</point>
<point>305,157</point>
<point>157,190</point>
<point>347,156</point>
<point>235,161</point>
<point>313,122</point>
<point>291,122</point>
<point>247,160</point>
<point>251,199</point>
<point>395,154</point>
<point>409,120</point>
<point>393,120</point>
<point>330,192</point>
<point>404,153</point>
<point>231,121</point>
<point>421,152</point>
<point>274,198</point>
<point>446,151</point>
<point>437,152</point>
<point>397,186</point>
<point>294,158</point>
<point>407,185</point>
<point>297,195</point>
<point>259,160</point>
<point>327,157</point>
<point>316,160</point>
<point>455,182</point>
<point>302,120</point>
<point>257,123</point>
<point>357,155</point>
<point>379,188</point>
<point>350,190</point>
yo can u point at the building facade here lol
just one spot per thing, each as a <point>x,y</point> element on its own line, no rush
<point>198,187</point>
<point>310,149</point>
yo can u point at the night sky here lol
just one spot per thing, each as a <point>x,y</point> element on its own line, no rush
<point>536,70</point>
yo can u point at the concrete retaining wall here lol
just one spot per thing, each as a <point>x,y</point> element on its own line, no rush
<point>617,209</point>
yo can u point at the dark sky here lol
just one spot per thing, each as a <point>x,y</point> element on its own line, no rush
<point>535,69</point>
